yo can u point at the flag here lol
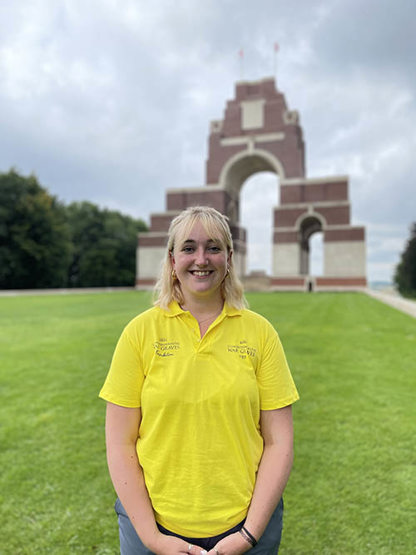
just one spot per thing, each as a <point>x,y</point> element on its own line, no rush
<point>241,53</point>
<point>276,46</point>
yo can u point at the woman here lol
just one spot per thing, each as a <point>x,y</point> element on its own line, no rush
<point>199,426</point>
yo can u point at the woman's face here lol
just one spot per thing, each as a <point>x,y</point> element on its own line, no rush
<point>200,263</point>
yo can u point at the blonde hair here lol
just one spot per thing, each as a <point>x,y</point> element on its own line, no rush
<point>168,288</point>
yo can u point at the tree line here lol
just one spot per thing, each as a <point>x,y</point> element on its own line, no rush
<point>405,275</point>
<point>47,244</point>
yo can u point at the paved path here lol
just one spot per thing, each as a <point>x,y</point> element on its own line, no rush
<point>395,300</point>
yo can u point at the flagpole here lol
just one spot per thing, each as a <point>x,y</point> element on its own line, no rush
<point>275,51</point>
<point>241,56</point>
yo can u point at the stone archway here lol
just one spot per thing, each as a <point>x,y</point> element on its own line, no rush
<point>309,226</point>
<point>259,194</point>
<point>246,163</point>
<point>259,133</point>
<point>233,177</point>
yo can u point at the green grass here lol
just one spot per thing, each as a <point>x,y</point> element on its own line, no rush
<point>353,486</point>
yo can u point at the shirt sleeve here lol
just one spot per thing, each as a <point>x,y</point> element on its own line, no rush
<point>274,379</point>
<point>124,381</point>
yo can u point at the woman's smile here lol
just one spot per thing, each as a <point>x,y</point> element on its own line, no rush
<point>201,273</point>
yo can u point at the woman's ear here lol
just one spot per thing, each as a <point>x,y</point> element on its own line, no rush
<point>230,255</point>
<point>172,259</point>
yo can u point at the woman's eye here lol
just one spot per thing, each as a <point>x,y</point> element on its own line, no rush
<point>187,249</point>
<point>214,249</point>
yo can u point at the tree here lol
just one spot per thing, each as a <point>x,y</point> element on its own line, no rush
<point>46,244</point>
<point>35,246</point>
<point>104,243</point>
<point>405,275</point>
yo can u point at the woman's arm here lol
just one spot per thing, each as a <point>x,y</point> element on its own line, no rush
<point>274,469</point>
<point>122,430</point>
<point>272,476</point>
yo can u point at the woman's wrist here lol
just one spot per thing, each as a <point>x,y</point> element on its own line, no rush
<point>248,536</point>
<point>152,540</point>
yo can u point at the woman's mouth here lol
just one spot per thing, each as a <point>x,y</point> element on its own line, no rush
<point>200,273</point>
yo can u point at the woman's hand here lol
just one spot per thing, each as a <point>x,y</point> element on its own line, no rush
<point>171,545</point>
<point>234,544</point>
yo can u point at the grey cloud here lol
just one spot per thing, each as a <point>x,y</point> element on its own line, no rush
<point>376,34</point>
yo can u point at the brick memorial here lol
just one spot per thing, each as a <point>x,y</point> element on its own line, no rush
<point>259,133</point>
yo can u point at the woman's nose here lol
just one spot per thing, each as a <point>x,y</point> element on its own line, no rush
<point>200,257</point>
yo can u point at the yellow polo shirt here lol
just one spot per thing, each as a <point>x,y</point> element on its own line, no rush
<point>200,442</point>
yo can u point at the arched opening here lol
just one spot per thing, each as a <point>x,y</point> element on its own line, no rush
<point>310,226</point>
<point>258,197</point>
<point>243,165</point>
<point>316,254</point>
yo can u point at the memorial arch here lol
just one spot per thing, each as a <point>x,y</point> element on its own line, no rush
<point>258,195</point>
<point>259,133</point>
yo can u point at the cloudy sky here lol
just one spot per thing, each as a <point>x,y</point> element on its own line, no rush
<point>110,101</point>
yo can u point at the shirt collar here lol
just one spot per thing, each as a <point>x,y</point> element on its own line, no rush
<point>175,310</point>
<point>231,311</point>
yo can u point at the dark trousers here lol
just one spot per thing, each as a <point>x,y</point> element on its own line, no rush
<point>268,544</point>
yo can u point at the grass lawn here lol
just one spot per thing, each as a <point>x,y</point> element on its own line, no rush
<point>353,486</point>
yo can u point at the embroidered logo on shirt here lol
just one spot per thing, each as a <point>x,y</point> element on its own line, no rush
<point>165,348</point>
<point>242,349</point>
